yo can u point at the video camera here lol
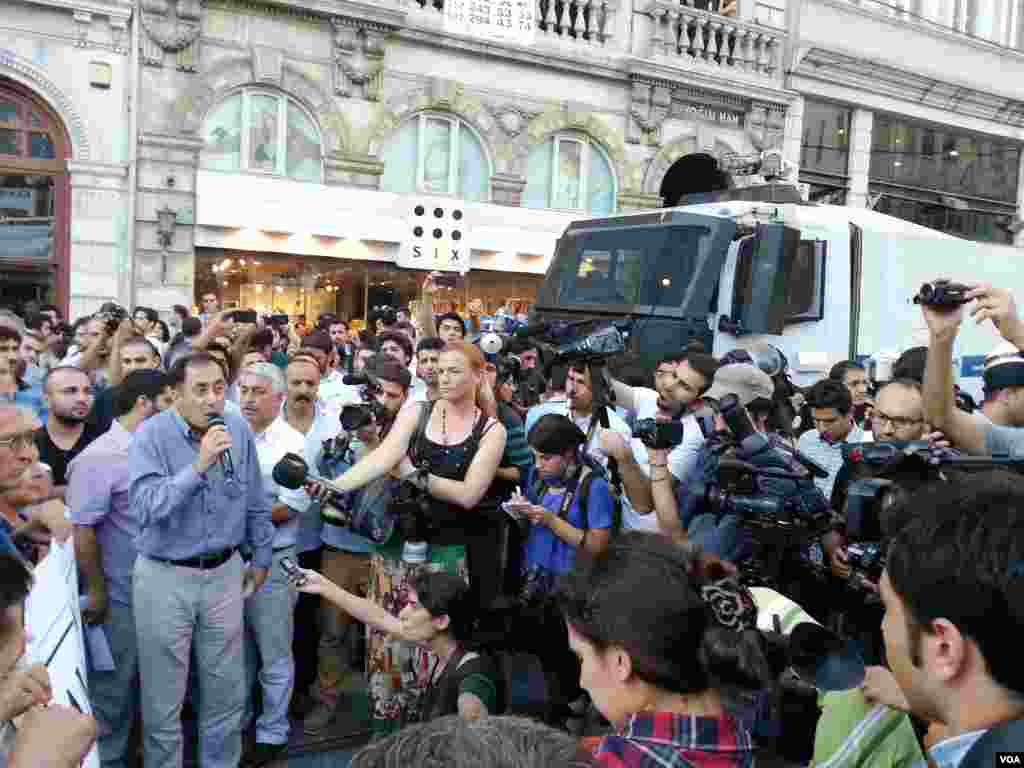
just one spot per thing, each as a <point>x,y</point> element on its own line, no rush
<point>882,475</point>
<point>942,293</point>
<point>754,481</point>
<point>357,416</point>
<point>566,345</point>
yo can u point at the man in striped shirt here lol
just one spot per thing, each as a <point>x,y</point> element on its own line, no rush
<point>832,412</point>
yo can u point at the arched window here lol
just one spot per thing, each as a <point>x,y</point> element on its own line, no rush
<point>437,154</point>
<point>569,172</point>
<point>262,132</point>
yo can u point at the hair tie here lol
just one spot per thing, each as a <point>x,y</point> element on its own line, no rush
<point>731,603</point>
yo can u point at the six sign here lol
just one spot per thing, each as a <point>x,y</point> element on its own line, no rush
<point>437,238</point>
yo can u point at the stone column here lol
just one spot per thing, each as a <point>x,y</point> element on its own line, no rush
<point>792,139</point>
<point>860,157</point>
<point>1018,239</point>
<point>99,225</point>
<point>166,177</point>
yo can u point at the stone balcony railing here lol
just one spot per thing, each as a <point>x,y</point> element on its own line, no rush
<point>588,22</point>
<point>695,38</point>
<point>681,35</point>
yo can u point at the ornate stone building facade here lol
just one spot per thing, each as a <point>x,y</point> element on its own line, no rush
<point>307,130</point>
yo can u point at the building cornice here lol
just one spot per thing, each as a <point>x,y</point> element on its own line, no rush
<point>728,88</point>
<point>937,31</point>
<point>844,69</point>
<point>115,9</point>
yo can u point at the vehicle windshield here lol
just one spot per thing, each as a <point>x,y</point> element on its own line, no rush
<point>674,267</point>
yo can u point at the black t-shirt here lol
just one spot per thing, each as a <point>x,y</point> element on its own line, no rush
<point>57,458</point>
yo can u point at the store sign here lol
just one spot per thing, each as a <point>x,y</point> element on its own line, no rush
<point>437,236</point>
<point>510,21</point>
<point>708,112</point>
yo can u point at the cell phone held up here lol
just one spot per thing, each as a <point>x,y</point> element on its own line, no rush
<point>292,571</point>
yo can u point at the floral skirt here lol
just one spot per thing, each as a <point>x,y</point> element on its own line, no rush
<point>398,672</point>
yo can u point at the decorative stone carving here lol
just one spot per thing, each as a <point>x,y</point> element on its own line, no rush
<point>267,64</point>
<point>512,119</point>
<point>359,49</point>
<point>766,124</point>
<point>650,106</point>
<point>83,20</point>
<point>172,26</point>
<point>686,144</point>
<point>118,31</point>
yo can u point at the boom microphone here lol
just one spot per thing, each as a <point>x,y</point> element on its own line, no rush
<point>226,465</point>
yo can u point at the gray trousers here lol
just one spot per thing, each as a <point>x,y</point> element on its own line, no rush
<point>176,609</point>
<point>115,695</point>
<point>270,624</point>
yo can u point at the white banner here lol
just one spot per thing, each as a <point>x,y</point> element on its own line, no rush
<point>511,21</point>
<point>437,235</point>
<point>54,624</point>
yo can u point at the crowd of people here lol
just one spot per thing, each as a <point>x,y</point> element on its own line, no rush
<point>479,540</point>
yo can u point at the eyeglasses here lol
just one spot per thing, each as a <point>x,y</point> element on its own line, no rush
<point>18,442</point>
<point>897,421</point>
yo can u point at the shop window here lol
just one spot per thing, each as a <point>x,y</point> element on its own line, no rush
<point>437,154</point>
<point>569,173</point>
<point>826,139</point>
<point>263,132</point>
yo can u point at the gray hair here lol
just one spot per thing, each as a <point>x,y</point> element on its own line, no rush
<point>489,742</point>
<point>268,371</point>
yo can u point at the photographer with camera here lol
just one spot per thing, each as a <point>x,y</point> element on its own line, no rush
<point>719,498</point>
<point>971,433</point>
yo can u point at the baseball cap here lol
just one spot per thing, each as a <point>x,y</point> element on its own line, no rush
<point>746,381</point>
<point>1004,367</point>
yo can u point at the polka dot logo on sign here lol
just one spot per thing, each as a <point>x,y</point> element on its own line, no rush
<point>437,238</point>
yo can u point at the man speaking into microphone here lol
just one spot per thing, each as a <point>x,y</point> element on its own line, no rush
<point>198,493</point>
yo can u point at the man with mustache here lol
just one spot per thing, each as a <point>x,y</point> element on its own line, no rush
<point>67,431</point>
<point>304,412</point>
<point>832,413</point>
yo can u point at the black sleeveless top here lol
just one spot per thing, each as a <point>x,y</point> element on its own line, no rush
<point>452,463</point>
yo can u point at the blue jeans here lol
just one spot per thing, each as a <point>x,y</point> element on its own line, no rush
<point>115,695</point>
<point>269,625</point>
<point>178,609</point>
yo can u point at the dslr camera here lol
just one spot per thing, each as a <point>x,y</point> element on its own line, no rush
<point>659,435</point>
<point>942,293</point>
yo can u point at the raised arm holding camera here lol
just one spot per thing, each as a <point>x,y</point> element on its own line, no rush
<point>971,433</point>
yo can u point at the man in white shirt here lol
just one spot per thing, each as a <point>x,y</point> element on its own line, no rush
<point>269,613</point>
<point>680,379</point>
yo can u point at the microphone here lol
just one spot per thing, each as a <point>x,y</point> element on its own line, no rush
<point>226,465</point>
<point>292,472</point>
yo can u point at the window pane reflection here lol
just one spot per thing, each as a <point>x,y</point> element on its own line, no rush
<point>826,138</point>
<point>264,131</point>
<point>935,158</point>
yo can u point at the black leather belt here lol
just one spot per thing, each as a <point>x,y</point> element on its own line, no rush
<point>206,562</point>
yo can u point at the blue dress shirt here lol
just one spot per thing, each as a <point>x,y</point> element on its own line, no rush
<point>183,514</point>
